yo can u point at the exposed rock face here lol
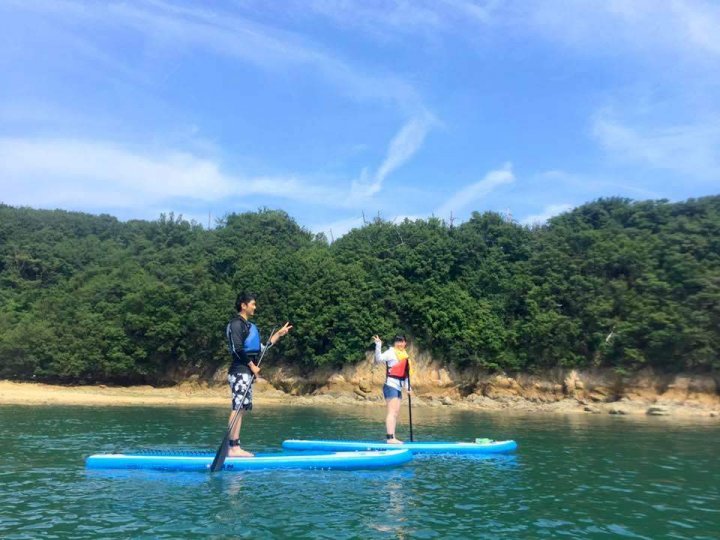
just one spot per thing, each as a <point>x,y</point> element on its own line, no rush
<point>572,383</point>
<point>603,390</point>
<point>693,387</point>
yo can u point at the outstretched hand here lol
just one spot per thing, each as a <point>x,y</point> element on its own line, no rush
<point>377,340</point>
<point>280,333</point>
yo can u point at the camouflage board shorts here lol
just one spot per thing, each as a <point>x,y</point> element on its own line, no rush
<point>241,385</point>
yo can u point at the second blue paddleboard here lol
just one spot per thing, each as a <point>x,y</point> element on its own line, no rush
<point>484,447</point>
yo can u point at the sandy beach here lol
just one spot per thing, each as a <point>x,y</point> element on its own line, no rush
<point>199,394</point>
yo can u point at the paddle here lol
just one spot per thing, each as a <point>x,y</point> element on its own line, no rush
<point>222,450</point>
<point>409,402</point>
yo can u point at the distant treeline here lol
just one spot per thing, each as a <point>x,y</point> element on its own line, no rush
<point>614,283</point>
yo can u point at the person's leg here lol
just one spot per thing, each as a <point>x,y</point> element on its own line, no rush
<point>239,387</point>
<point>235,430</point>
<point>235,450</point>
<point>393,408</point>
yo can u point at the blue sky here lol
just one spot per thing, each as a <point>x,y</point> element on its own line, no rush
<point>331,108</point>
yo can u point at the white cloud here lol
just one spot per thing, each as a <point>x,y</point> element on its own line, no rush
<point>645,27</point>
<point>459,201</point>
<point>700,21</point>
<point>665,116</point>
<point>175,30</point>
<point>382,20</point>
<point>402,148</point>
<point>90,174</point>
<point>692,148</point>
<point>337,228</point>
<point>480,12</point>
<point>546,213</point>
<point>393,21</point>
<point>585,187</point>
<point>688,26</point>
<point>472,193</point>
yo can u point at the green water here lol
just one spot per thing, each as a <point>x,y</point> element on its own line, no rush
<point>573,476</point>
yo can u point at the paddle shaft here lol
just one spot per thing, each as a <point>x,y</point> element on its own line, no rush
<point>222,450</point>
<point>412,439</point>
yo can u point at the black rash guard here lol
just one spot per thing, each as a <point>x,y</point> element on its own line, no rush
<point>237,331</point>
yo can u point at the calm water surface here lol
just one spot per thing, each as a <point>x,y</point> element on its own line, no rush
<point>573,476</point>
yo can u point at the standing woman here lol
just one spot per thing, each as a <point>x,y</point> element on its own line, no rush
<point>397,374</point>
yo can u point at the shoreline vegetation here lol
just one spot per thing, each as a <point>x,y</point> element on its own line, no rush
<point>644,393</point>
<point>614,284</point>
<point>613,307</point>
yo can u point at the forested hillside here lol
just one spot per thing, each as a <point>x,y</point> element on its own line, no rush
<point>614,283</point>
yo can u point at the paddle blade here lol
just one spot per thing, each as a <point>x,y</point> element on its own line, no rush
<point>220,456</point>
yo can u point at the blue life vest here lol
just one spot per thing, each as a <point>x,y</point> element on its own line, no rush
<point>251,345</point>
<point>252,341</point>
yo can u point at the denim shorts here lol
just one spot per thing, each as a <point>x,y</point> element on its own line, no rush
<point>389,392</point>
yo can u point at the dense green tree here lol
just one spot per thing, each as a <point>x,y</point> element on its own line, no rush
<point>613,283</point>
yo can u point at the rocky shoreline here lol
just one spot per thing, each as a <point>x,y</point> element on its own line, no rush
<point>436,386</point>
<point>564,391</point>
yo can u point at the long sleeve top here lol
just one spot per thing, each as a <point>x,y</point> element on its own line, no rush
<point>391,358</point>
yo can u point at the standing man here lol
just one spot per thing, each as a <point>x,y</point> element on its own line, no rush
<point>397,374</point>
<point>245,347</point>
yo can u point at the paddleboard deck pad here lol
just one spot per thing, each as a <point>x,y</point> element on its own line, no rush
<point>484,446</point>
<point>201,461</point>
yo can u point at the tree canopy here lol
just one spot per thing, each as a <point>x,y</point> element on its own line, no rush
<point>613,283</point>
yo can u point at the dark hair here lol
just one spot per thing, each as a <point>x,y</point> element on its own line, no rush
<point>244,298</point>
<point>399,337</point>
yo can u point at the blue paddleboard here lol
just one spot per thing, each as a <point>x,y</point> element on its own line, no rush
<point>199,461</point>
<point>484,446</point>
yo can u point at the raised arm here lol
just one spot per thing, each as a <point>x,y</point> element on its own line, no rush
<point>280,333</point>
<point>378,348</point>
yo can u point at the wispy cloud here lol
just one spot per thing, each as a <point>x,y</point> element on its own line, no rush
<point>701,21</point>
<point>402,148</point>
<point>395,20</point>
<point>404,145</point>
<point>461,200</point>
<point>383,20</point>
<point>681,25</point>
<point>585,187</point>
<point>643,27</point>
<point>692,149</point>
<point>673,48</point>
<point>547,212</point>
<point>335,229</point>
<point>472,193</point>
<point>176,30</point>
<point>483,12</point>
<point>91,174</point>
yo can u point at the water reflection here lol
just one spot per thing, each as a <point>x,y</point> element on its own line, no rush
<point>572,476</point>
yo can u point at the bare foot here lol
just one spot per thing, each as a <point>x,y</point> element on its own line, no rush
<point>236,451</point>
<point>394,441</point>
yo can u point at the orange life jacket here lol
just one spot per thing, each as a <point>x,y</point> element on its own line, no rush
<point>400,369</point>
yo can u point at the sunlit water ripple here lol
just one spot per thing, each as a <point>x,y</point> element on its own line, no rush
<point>573,476</point>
